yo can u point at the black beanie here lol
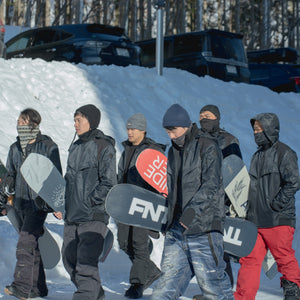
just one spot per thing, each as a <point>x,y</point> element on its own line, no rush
<point>176,116</point>
<point>92,113</point>
<point>213,109</point>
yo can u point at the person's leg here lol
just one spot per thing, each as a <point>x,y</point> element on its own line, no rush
<point>69,250</point>
<point>175,267</point>
<point>249,272</point>
<point>90,244</point>
<point>279,240</point>
<point>27,272</point>
<point>206,255</point>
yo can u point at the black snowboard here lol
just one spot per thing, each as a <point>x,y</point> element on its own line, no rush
<point>49,249</point>
<point>133,205</point>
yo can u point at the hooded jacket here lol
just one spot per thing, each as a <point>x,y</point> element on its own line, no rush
<point>91,173</point>
<point>196,182</point>
<point>43,145</point>
<point>274,179</point>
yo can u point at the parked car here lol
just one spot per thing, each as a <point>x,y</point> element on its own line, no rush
<point>276,69</point>
<point>81,43</point>
<point>277,77</point>
<point>217,53</point>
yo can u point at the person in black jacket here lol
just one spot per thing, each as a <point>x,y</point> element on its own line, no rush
<point>274,181</point>
<point>209,119</point>
<point>195,221</point>
<point>29,276</point>
<point>134,240</point>
<point>91,173</point>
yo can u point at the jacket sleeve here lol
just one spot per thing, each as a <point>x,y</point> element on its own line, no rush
<point>53,155</point>
<point>290,182</point>
<point>121,168</point>
<point>10,178</point>
<point>106,174</point>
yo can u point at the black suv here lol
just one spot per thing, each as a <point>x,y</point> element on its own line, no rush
<point>81,43</point>
<point>217,53</point>
<point>276,69</point>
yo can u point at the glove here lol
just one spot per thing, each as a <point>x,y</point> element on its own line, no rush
<point>3,196</point>
<point>187,217</point>
<point>9,186</point>
<point>42,205</point>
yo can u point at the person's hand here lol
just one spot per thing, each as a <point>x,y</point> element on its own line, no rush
<point>4,212</point>
<point>58,215</point>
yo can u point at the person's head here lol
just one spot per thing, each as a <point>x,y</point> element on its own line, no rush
<point>265,128</point>
<point>86,118</point>
<point>30,117</point>
<point>136,128</point>
<point>176,121</point>
<point>209,118</point>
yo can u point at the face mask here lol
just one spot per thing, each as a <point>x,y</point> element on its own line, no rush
<point>179,141</point>
<point>261,139</point>
<point>209,125</point>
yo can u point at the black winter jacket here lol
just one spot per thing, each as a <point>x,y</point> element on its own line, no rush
<point>274,179</point>
<point>200,183</point>
<point>131,175</point>
<point>43,145</point>
<point>91,173</point>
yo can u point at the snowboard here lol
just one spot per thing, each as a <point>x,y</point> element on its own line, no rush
<point>49,249</point>
<point>47,182</point>
<point>236,184</point>
<point>133,205</point>
<point>152,166</point>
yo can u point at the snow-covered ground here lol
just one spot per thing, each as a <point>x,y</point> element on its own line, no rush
<point>56,89</point>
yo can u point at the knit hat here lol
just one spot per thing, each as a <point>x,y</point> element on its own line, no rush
<point>176,116</point>
<point>137,121</point>
<point>213,109</point>
<point>92,113</point>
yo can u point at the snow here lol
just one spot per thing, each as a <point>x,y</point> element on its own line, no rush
<point>56,89</point>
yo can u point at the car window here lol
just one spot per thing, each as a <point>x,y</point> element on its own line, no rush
<point>45,37</point>
<point>21,43</point>
<point>228,48</point>
<point>187,44</point>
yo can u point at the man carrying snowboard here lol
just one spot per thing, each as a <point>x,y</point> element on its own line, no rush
<point>91,173</point>
<point>271,206</point>
<point>135,240</point>
<point>209,119</point>
<point>194,240</point>
<point>29,276</point>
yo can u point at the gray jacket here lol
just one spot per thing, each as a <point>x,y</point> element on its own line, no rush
<point>195,184</point>
<point>274,179</point>
<point>91,173</point>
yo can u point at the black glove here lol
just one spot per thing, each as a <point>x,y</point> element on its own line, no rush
<point>187,217</point>
<point>42,205</point>
<point>3,196</point>
<point>9,186</point>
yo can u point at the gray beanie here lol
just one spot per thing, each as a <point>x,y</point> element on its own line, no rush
<point>137,121</point>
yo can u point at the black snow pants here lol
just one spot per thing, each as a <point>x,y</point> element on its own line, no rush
<point>134,241</point>
<point>82,246</point>
<point>29,272</point>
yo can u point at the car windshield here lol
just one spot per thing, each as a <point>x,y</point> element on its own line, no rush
<point>227,47</point>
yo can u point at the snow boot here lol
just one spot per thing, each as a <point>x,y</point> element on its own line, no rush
<point>135,291</point>
<point>12,290</point>
<point>290,290</point>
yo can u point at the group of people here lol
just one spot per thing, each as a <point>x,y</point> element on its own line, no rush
<point>197,205</point>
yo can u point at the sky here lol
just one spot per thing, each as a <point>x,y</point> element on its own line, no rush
<point>57,89</point>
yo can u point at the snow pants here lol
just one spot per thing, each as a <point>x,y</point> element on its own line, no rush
<point>29,272</point>
<point>82,246</point>
<point>279,240</point>
<point>187,255</point>
<point>134,241</point>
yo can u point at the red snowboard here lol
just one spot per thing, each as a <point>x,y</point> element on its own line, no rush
<point>152,166</point>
